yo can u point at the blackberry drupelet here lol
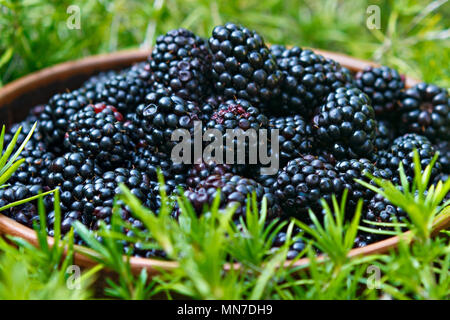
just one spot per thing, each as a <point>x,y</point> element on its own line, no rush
<point>54,119</point>
<point>234,189</point>
<point>295,137</point>
<point>384,86</point>
<point>307,80</point>
<point>98,132</point>
<point>345,124</point>
<point>402,151</point>
<point>352,169</point>
<point>385,135</point>
<point>160,115</point>
<point>425,110</point>
<point>242,65</point>
<point>303,182</point>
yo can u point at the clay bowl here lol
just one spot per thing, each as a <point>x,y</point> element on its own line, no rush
<point>19,96</point>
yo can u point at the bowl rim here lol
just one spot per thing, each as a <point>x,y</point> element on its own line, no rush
<point>83,255</point>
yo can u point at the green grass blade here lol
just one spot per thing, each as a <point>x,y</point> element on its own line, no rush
<point>4,177</point>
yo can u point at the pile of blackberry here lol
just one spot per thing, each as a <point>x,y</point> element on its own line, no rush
<point>331,127</point>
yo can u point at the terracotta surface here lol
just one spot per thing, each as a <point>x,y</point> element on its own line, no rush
<point>19,96</point>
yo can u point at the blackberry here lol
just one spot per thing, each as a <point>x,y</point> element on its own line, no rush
<point>295,248</point>
<point>295,137</point>
<point>425,110</point>
<point>69,173</point>
<point>180,61</point>
<point>242,65</point>
<point>381,210</point>
<point>352,169</point>
<point>25,213</point>
<point>233,189</point>
<point>27,124</point>
<point>160,115</point>
<point>383,85</point>
<point>402,151</point>
<point>98,194</point>
<point>98,131</point>
<point>34,170</point>
<point>234,115</point>
<point>346,124</point>
<point>364,239</point>
<point>209,106</point>
<point>385,135</point>
<point>148,161</point>
<point>125,92</point>
<point>444,155</point>
<point>54,119</point>
<point>199,172</point>
<point>177,45</point>
<point>307,80</point>
<point>303,182</point>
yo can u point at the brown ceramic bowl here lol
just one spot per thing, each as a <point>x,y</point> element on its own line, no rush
<point>18,97</point>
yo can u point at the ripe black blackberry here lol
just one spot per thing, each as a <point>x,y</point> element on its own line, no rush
<point>36,139</point>
<point>209,106</point>
<point>98,194</point>
<point>98,132</point>
<point>34,170</point>
<point>198,172</point>
<point>307,80</point>
<point>160,115</point>
<point>364,239</point>
<point>381,210</point>
<point>386,132</point>
<point>25,213</point>
<point>177,45</point>
<point>295,137</point>
<point>295,248</point>
<point>352,169</point>
<point>234,189</point>
<point>149,161</point>
<point>54,119</point>
<point>444,155</point>
<point>345,124</point>
<point>242,65</point>
<point>425,110</point>
<point>402,151</point>
<point>70,173</point>
<point>124,91</point>
<point>180,61</point>
<point>384,86</point>
<point>237,114</point>
<point>303,182</point>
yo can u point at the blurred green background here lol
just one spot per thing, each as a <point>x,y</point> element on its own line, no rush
<point>414,36</point>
